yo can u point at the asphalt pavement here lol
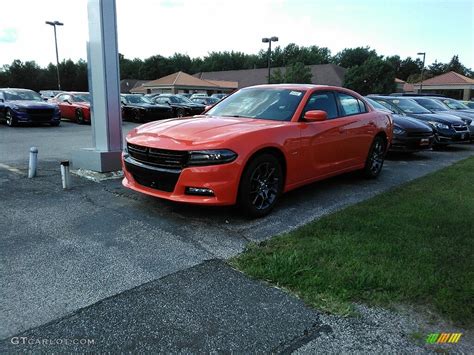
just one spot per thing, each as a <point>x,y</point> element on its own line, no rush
<point>66,254</point>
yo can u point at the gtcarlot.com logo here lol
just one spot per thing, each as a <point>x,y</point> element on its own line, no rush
<point>52,342</point>
<point>442,338</point>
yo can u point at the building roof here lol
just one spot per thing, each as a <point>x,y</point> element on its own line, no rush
<point>323,74</point>
<point>128,84</point>
<point>399,81</point>
<point>450,78</point>
<point>181,79</point>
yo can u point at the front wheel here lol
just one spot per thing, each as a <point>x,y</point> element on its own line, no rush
<point>261,185</point>
<point>11,121</point>
<point>376,158</point>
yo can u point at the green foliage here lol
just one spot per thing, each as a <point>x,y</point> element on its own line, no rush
<point>296,73</point>
<point>408,245</point>
<point>351,57</point>
<point>374,75</point>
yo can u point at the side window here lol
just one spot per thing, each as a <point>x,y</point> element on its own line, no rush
<point>350,105</point>
<point>324,101</point>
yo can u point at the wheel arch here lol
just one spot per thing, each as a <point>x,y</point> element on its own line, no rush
<point>277,152</point>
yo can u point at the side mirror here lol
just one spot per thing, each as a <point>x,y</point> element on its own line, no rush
<point>67,101</point>
<point>2,100</point>
<point>315,116</point>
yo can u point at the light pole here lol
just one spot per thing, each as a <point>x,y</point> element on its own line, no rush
<point>422,69</point>
<point>54,24</point>
<point>269,40</point>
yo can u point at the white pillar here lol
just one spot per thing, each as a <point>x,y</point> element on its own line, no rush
<point>104,84</point>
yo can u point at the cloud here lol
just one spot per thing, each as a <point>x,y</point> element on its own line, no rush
<point>8,35</point>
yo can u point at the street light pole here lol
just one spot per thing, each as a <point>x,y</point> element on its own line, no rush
<point>422,69</point>
<point>54,24</point>
<point>269,40</point>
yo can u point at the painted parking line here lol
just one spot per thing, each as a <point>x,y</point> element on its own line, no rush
<point>10,168</point>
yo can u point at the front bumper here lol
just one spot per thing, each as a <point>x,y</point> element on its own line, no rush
<point>411,144</point>
<point>171,184</point>
<point>36,116</point>
<point>444,137</point>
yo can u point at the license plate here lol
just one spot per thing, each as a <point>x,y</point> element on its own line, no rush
<point>424,141</point>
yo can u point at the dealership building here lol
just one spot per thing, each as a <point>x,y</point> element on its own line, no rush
<point>450,84</point>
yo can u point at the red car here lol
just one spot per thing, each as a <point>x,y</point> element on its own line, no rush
<point>75,106</point>
<point>256,144</point>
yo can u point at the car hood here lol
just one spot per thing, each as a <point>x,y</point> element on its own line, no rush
<point>31,104</point>
<point>197,132</point>
<point>410,124</point>
<point>437,117</point>
<point>461,114</point>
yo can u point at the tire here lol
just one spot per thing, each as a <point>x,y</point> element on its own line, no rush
<point>55,124</point>
<point>260,186</point>
<point>80,116</point>
<point>9,119</point>
<point>180,113</point>
<point>137,117</point>
<point>375,158</point>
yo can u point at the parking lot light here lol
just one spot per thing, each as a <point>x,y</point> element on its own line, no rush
<point>269,40</point>
<point>422,69</point>
<point>54,24</point>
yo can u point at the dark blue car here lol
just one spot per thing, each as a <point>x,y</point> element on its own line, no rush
<point>26,106</point>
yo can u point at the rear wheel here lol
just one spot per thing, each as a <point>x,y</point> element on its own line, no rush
<point>261,185</point>
<point>11,121</point>
<point>79,116</point>
<point>376,158</point>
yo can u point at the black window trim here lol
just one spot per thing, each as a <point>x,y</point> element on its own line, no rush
<point>317,92</point>
<point>341,110</point>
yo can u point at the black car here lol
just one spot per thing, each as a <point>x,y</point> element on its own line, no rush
<point>409,134</point>
<point>206,100</point>
<point>140,109</point>
<point>447,128</point>
<point>19,106</point>
<point>181,105</point>
<point>436,106</point>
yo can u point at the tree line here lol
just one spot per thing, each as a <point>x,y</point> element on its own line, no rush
<point>367,71</point>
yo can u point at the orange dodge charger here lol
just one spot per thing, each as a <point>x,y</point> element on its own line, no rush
<point>256,144</point>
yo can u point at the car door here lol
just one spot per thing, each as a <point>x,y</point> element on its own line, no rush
<point>64,105</point>
<point>2,105</point>
<point>324,146</point>
<point>358,129</point>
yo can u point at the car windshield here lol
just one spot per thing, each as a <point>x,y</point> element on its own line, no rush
<point>454,104</point>
<point>263,103</point>
<point>431,104</point>
<point>24,95</point>
<point>409,106</point>
<point>82,98</point>
<point>379,106</point>
<point>183,99</point>
<point>137,99</point>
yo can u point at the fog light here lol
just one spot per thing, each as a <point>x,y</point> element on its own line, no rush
<point>201,191</point>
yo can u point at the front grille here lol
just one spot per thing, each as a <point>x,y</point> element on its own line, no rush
<point>419,134</point>
<point>43,114</point>
<point>460,128</point>
<point>155,179</point>
<point>162,158</point>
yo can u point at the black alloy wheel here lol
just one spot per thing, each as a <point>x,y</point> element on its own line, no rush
<point>79,116</point>
<point>376,158</point>
<point>137,116</point>
<point>180,112</point>
<point>261,185</point>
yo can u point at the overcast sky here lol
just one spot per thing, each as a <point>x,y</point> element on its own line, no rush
<point>441,28</point>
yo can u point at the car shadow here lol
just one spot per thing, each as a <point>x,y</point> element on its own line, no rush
<point>415,156</point>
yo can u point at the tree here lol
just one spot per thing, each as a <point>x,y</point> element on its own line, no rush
<point>375,75</point>
<point>295,73</point>
<point>351,57</point>
<point>437,68</point>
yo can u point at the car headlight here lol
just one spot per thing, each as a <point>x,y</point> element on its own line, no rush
<point>438,125</point>
<point>211,157</point>
<point>398,131</point>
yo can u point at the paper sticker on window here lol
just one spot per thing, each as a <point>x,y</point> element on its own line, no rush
<point>296,93</point>
<point>396,101</point>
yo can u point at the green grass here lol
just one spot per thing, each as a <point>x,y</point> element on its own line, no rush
<point>413,244</point>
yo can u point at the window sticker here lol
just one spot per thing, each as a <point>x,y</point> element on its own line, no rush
<point>296,93</point>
